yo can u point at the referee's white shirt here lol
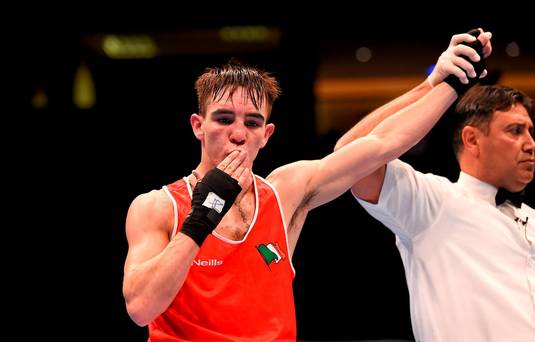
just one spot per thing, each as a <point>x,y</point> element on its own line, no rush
<point>469,265</point>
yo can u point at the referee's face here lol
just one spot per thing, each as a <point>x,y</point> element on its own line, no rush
<point>507,151</point>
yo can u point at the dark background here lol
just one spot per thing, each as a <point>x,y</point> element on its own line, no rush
<point>78,170</point>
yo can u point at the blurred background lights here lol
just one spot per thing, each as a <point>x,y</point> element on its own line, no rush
<point>363,54</point>
<point>129,46</point>
<point>512,49</point>
<point>244,33</point>
<point>39,98</point>
<point>83,95</point>
<point>430,69</point>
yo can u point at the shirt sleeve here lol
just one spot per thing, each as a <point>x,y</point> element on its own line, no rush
<point>409,201</point>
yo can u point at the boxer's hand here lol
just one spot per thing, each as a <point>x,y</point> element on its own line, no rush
<point>461,57</point>
<point>214,195</point>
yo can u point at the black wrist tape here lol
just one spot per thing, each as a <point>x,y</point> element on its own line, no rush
<point>212,198</point>
<point>454,82</point>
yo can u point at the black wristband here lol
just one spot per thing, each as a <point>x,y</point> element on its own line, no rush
<point>212,198</point>
<point>479,66</point>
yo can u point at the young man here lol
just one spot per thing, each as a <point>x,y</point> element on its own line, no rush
<point>210,255</point>
<point>469,259</point>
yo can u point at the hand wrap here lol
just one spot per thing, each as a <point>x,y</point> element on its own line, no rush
<point>212,198</point>
<point>454,82</point>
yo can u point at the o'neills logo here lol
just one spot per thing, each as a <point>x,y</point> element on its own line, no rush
<point>209,262</point>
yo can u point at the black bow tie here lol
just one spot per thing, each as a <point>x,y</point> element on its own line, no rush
<point>516,198</point>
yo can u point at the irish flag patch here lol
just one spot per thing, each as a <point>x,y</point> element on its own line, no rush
<point>271,253</point>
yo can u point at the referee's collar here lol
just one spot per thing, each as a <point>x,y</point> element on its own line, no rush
<point>478,188</point>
